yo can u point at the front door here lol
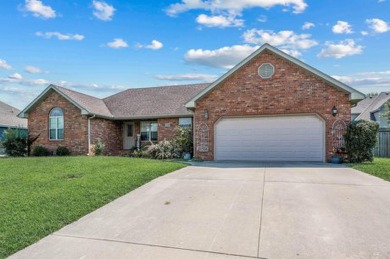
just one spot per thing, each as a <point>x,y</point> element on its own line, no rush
<point>128,135</point>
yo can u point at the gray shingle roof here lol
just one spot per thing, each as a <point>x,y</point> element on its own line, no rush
<point>91,104</point>
<point>8,117</point>
<point>154,102</point>
<point>369,105</point>
<point>162,101</point>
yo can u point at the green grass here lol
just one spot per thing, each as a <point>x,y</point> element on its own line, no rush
<point>380,168</point>
<point>41,195</point>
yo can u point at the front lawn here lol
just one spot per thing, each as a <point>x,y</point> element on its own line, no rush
<point>380,168</point>
<point>41,195</point>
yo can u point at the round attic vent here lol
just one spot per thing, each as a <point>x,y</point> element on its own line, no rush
<point>266,70</point>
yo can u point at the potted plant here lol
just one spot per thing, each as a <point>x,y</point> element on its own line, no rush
<point>337,157</point>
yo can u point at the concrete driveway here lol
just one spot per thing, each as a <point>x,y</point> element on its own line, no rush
<point>236,210</point>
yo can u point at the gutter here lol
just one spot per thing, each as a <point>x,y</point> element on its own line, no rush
<point>89,133</point>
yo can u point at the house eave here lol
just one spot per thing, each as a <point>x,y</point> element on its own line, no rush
<point>148,117</point>
<point>12,126</point>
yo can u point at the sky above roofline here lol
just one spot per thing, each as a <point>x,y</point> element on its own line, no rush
<point>103,47</point>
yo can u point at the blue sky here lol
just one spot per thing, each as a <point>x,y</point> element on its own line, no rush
<point>103,47</point>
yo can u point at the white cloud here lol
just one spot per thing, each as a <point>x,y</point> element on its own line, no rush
<point>225,57</point>
<point>102,10</point>
<point>378,25</point>
<point>292,52</point>
<point>38,9</point>
<point>187,77</point>
<point>5,65</point>
<point>219,21</point>
<point>154,45</point>
<point>60,36</point>
<point>364,33</point>
<point>377,80</point>
<point>233,6</point>
<point>288,41</point>
<point>117,44</point>
<point>341,49</point>
<point>342,27</point>
<point>34,70</point>
<point>308,25</point>
<point>16,76</point>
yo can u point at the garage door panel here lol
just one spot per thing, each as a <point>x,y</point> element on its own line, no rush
<point>292,138</point>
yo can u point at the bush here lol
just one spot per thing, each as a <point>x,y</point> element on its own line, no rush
<point>360,139</point>
<point>16,142</point>
<point>183,141</point>
<point>163,150</point>
<point>62,151</point>
<point>98,149</point>
<point>40,151</point>
<point>140,154</point>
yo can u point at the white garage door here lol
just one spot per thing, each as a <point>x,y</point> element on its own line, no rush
<point>287,138</point>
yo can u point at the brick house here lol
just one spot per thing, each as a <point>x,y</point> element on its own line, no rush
<point>270,106</point>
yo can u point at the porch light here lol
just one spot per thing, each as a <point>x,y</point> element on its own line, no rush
<point>334,111</point>
<point>206,114</point>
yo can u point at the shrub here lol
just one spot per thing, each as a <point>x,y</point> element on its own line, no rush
<point>17,142</point>
<point>183,141</point>
<point>360,139</point>
<point>140,154</point>
<point>40,151</point>
<point>163,150</point>
<point>98,149</point>
<point>62,151</point>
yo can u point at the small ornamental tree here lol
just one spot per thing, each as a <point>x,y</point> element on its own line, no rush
<point>360,140</point>
<point>17,142</point>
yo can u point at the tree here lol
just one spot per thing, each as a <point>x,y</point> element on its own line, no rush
<point>17,142</point>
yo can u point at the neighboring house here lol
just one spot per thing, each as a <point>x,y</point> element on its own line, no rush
<point>269,107</point>
<point>372,108</point>
<point>9,119</point>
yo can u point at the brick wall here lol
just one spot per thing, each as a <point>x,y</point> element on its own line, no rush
<point>291,90</point>
<point>75,125</point>
<point>110,132</point>
<point>167,128</point>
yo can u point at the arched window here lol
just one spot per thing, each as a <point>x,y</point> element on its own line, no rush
<point>56,124</point>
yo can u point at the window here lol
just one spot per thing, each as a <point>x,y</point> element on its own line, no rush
<point>266,70</point>
<point>56,124</point>
<point>149,130</point>
<point>129,130</point>
<point>185,122</point>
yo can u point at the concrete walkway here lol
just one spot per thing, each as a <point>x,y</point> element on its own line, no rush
<point>236,210</point>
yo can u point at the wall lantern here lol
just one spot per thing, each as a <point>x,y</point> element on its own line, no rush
<point>334,111</point>
<point>206,114</point>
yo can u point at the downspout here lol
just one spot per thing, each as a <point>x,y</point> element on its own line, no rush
<point>89,133</point>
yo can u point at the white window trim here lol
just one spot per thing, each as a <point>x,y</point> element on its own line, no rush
<point>149,132</point>
<point>56,127</point>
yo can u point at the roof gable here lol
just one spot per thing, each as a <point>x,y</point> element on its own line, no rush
<point>87,104</point>
<point>370,105</point>
<point>354,94</point>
